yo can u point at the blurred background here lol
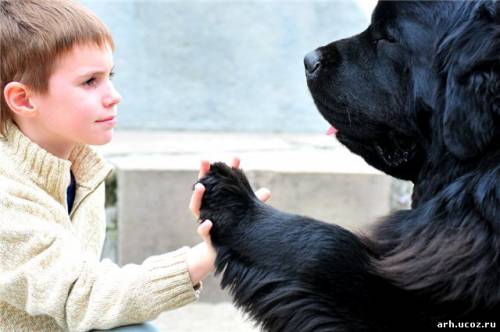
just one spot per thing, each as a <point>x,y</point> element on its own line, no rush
<point>209,79</point>
<point>233,65</point>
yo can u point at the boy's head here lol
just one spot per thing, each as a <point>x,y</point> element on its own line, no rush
<point>37,39</point>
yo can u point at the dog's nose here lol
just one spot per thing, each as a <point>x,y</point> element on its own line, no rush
<point>311,61</point>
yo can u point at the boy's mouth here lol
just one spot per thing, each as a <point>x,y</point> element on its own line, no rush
<point>108,119</point>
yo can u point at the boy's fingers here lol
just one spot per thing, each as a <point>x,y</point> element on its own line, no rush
<point>204,168</point>
<point>204,230</point>
<point>196,197</point>
<point>236,162</point>
<point>263,194</point>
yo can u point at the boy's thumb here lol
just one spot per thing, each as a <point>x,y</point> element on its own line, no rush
<point>204,230</point>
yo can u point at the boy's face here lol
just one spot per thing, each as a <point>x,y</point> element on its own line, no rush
<point>80,104</point>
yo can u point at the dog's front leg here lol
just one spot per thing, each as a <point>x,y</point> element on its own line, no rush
<point>286,269</point>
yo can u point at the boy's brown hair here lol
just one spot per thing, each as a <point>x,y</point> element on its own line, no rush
<point>34,34</point>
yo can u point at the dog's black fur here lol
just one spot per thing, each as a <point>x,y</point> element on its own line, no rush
<point>417,95</point>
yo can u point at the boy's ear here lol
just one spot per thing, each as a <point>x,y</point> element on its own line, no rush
<point>17,97</point>
<point>472,103</point>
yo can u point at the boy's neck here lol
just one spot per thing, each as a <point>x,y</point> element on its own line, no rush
<point>43,139</point>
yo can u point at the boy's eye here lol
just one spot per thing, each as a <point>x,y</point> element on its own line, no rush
<point>93,81</point>
<point>90,82</point>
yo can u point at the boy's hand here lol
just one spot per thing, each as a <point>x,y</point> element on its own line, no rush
<point>201,258</point>
<point>194,205</point>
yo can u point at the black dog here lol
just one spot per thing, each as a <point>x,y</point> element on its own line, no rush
<point>417,95</point>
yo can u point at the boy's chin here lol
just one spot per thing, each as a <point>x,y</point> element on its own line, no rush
<point>103,138</point>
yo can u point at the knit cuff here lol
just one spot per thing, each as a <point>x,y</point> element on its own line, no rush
<point>168,285</point>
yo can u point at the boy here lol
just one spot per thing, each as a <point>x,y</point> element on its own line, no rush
<point>57,97</point>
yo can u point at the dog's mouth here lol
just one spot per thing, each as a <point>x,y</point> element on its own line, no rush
<point>397,155</point>
<point>385,148</point>
<point>394,153</point>
<point>332,131</point>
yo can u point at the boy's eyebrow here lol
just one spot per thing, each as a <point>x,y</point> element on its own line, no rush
<point>96,72</point>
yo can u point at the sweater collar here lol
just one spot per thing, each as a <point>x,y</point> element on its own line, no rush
<point>52,173</point>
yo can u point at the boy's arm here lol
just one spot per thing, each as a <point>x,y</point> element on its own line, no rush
<point>43,271</point>
<point>201,259</point>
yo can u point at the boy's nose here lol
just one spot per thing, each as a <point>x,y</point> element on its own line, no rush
<point>113,99</point>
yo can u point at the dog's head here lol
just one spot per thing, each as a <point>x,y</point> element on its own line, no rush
<point>423,78</point>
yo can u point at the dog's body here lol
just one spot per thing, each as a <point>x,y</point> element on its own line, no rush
<point>417,95</point>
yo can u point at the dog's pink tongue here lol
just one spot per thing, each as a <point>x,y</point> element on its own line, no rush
<point>332,131</point>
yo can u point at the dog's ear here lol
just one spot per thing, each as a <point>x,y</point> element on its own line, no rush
<point>470,63</point>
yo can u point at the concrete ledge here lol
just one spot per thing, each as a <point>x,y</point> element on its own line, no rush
<point>270,152</point>
<point>310,175</point>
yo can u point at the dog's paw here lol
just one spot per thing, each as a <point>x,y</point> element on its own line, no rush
<point>227,199</point>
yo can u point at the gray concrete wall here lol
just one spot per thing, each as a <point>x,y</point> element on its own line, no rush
<point>234,65</point>
<point>153,217</point>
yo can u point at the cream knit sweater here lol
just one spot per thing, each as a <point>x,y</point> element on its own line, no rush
<point>51,276</point>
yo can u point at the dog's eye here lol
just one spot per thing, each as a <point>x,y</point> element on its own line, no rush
<point>379,33</point>
<point>384,38</point>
